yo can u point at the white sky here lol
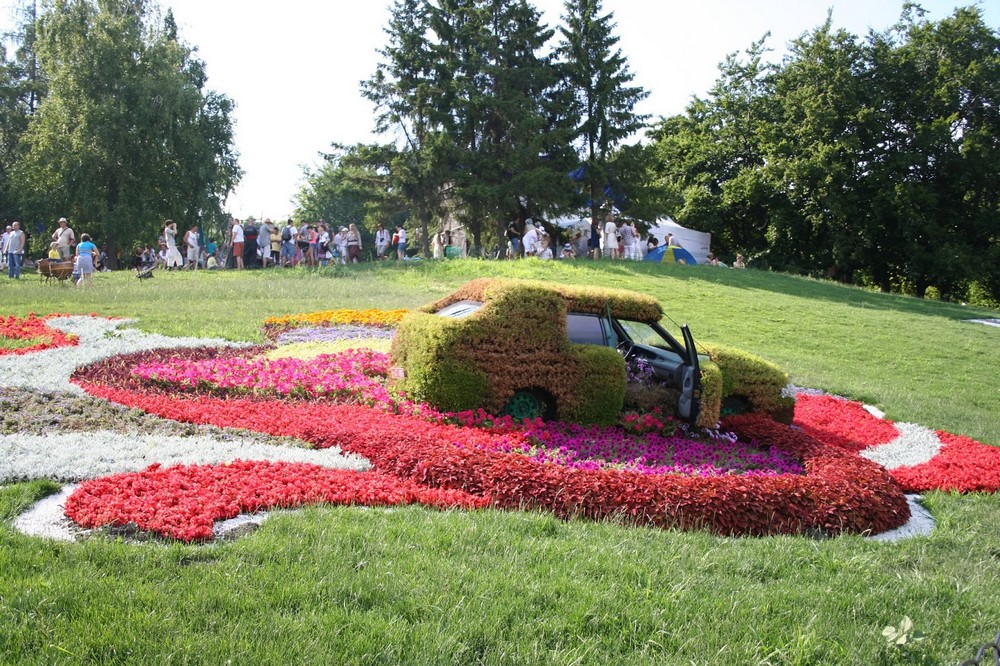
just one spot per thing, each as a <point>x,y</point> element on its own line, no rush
<point>293,67</point>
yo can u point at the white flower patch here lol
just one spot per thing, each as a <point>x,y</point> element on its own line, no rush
<point>915,445</point>
<point>88,455</point>
<point>99,338</point>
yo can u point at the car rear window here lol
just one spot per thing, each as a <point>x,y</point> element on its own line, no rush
<point>459,309</point>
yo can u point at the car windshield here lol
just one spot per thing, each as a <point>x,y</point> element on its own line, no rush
<point>460,309</point>
<point>642,333</point>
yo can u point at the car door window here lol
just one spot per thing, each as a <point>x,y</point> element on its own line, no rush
<point>585,329</point>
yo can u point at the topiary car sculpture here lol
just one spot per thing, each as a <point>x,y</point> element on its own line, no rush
<point>533,349</point>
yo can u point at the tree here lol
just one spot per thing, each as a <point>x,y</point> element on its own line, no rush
<point>127,135</point>
<point>601,98</point>
<point>939,149</point>
<point>402,88</point>
<point>506,145</point>
<point>353,185</point>
<point>712,158</point>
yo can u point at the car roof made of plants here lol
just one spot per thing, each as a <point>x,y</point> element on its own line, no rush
<point>623,304</point>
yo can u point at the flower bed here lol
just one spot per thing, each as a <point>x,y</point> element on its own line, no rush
<point>274,326</point>
<point>838,492</point>
<point>33,330</point>
<point>959,464</point>
<point>183,502</point>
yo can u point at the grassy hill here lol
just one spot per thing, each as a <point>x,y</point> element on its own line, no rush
<point>412,585</point>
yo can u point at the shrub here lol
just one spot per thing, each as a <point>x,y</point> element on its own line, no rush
<point>750,377</point>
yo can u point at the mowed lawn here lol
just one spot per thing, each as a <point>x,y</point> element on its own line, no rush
<point>373,586</point>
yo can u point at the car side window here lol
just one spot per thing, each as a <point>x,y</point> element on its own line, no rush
<point>585,329</point>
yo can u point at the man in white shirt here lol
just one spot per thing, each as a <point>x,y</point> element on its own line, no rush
<point>381,241</point>
<point>238,240</point>
<point>530,240</point>
<point>64,238</point>
<point>191,240</point>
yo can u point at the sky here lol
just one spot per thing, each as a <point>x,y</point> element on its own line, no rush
<point>294,67</point>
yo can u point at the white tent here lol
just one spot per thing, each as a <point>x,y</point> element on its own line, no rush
<point>698,243</point>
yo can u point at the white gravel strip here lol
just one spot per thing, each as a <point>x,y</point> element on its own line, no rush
<point>915,445</point>
<point>46,518</point>
<point>88,455</point>
<point>988,322</point>
<point>99,338</point>
<point>921,523</point>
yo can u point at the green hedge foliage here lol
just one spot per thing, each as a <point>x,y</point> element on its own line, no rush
<point>517,341</point>
<point>759,382</point>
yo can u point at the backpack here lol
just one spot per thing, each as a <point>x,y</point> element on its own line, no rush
<point>286,234</point>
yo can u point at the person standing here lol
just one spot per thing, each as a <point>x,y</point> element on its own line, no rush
<point>611,237</point>
<point>530,240</point>
<point>595,239</point>
<point>64,238</point>
<point>288,235</point>
<point>238,240</point>
<point>513,240</point>
<point>14,251</point>
<point>85,253</point>
<point>170,238</point>
<point>353,244</point>
<point>264,242</point>
<point>630,241</point>
<point>381,241</point>
<point>401,242</point>
<point>193,248</point>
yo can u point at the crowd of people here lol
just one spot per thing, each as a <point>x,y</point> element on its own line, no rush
<point>85,257</point>
<point>609,237</point>
<point>269,244</point>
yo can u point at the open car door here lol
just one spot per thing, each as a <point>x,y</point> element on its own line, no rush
<point>689,403</point>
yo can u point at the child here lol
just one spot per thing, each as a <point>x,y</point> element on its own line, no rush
<point>54,252</point>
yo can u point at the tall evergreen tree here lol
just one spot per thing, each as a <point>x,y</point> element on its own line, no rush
<point>599,79</point>
<point>507,145</point>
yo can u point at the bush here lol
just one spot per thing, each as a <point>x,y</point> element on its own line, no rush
<point>753,379</point>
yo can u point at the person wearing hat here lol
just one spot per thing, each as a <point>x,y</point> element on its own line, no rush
<point>567,252</point>
<point>340,241</point>
<point>530,240</point>
<point>64,238</point>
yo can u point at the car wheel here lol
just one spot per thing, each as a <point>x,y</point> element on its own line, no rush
<point>735,404</point>
<point>529,404</point>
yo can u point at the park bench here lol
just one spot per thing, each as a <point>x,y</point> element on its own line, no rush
<point>60,270</point>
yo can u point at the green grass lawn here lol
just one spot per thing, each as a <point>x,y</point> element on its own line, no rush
<point>374,586</point>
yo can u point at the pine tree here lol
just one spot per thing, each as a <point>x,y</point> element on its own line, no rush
<point>603,101</point>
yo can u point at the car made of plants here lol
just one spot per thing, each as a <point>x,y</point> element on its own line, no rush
<point>578,354</point>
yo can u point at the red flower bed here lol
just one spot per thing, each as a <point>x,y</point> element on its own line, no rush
<point>839,492</point>
<point>33,328</point>
<point>963,465</point>
<point>842,423</point>
<point>183,501</point>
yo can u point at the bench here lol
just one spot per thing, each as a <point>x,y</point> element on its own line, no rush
<point>60,270</point>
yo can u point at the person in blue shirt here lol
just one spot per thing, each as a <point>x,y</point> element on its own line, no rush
<point>85,252</point>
